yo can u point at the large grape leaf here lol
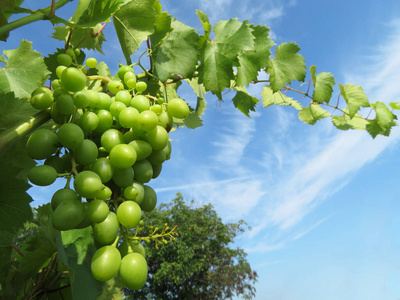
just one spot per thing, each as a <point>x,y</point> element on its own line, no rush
<point>344,122</point>
<point>6,240</point>
<point>162,29</point>
<point>323,83</point>
<point>286,66</point>
<point>24,71</point>
<point>178,54</point>
<point>252,61</point>
<point>270,98</point>
<point>75,251</point>
<point>312,114</point>
<point>133,23</point>
<point>219,56</point>
<point>88,38</point>
<point>91,12</point>
<point>244,102</point>
<point>354,97</point>
<point>200,91</point>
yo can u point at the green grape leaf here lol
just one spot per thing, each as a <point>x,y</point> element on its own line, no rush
<point>205,22</point>
<point>112,289</point>
<point>170,90</point>
<point>3,59</point>
<point>178,54</point>
<point>193,121</point>
<point>23,72</point>
<point>75,251</point>
<point>312,114</point>
<point>252,61</point>
<point>354,97</point>
<point>384,120</point>
<point>162,29</point>
<point>394,105</point>
<point>344,122</point>
<point>218,57</point>
<point>278,98</point>
<point>133,23</point>
<point>81,37</point>
<point>200,91</point>
<point>244,102</point>
<point>6,240</point>
<point>14,201</point>
<point>286,66</point>
<point>323,83</point>
<point>90,13</point>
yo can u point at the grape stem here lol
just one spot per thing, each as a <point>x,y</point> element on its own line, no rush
<point>41,14</point>
<point>10,136</point>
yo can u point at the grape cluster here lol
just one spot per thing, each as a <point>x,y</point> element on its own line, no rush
<point>109,140</point>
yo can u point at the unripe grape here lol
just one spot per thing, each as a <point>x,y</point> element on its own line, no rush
<point>105,232</point>
<point>81,99</point>
<point>103,168</point>
<point>114,86</point>
<point>134,192</point>
<point>41,144</point>
<point>122,156</point>
<point>70,135</point>
<point>141,86</point>
<point>97,211</point>
<point>65,104</point>
<point>86,153</point>
<point>70,52</point>
<point>68,214</point>
<point>123,96</point>
<point>133,271</point>
<point>87,184</point>
<point>147,120</point>
<point>105,263</point>
<point>140,102</point>
<point>143,171</point>
<point>123,177</point>
<point>149,199</point>
<point>111,138</point>
<point>64,59</point>
<point>178,108</point>
<point>89,121</point>
<point>91,62</point>
<point>128,117</point>
<point>61,195</point>
<point>129,214</point>
<point>143,149</point>
<point>105,120</point>
<point>73,79</point>
<point>42,175</point>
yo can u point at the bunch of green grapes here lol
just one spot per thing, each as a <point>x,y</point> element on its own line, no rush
<point>108,142</point>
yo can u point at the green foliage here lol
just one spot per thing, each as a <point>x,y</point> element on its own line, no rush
<point>201,264</point>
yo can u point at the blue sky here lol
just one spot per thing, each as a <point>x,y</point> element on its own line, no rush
<point>323,204</point>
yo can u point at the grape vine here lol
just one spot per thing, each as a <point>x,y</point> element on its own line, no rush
<point>107,134</point>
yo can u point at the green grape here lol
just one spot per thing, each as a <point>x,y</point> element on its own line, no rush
<point>97,211</point>
<point>114,86</point>
<point>77,51</point>
<point>41,144</point>
<point>160,101</point>
<point>139,133</point>
<point>111,138</point>
<point>68,214</point>
<point>134,192</point>
<point>167,150</point>
<point>87,184</point>
<point>89,121</point>
<point>81,99</point>
<point>64,59</point>
<point>70,52</point>
<point>141,86</point>
<point>130,80</point>
<point>128,116</point>
<point>42,175</point>
<point>94,98</point>
<point>116,108</point>
<point>122,156</point>
<point>57,163</point>
<point>59,91</point>
<point>140,102</point>
<point>55,84</point>
<point>42,98</point>
<point>138,248</point>
<point>104,194</point>
<point>85,222</point>
<point>91,62</point>
<point>59,71</point>
<point>123,70</point>
<point>105,101</point>
<point>156,170</point>
<point>105,263</point>
<point>158,138</point>
<point>103,168</point>
<point>123,177</point>
<point>157,157</point>
<point>133,271</point>
<point>123,96</point>
<point>70,135</point>
<point>73,79</point>
<point>165,120</point>
<point>178,108</point>
<point>147,120</point>
<point>143,149</point>
<point>65,104</point>
<point>106,232</point>
<point>86,153</point>
<point>105,120</point>
<point>62,195</point>
<point>56,116</point>
<point>129,214</point>
<point>149,200</point>
<point>129,136</point>
<point>143,171</point>
<point>157,109</point>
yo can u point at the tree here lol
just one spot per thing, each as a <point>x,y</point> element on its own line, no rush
<point>200,264</point>
<point>62,93</point>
